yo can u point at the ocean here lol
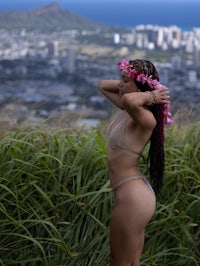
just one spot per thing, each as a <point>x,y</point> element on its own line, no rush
<point>182,14</point>
<point>124,13</point>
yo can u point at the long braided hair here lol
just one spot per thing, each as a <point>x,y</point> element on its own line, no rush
<point>156,150</point>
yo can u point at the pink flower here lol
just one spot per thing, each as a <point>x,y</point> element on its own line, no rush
<point>133,75</point>
<point>167,114</point>
<point>124,66</point>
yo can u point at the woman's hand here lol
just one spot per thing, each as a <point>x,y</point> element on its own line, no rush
<point>160,96</point>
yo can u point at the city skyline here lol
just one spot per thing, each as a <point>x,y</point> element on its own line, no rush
<point>38,82</point>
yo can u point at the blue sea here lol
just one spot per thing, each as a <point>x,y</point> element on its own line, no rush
<point>126,13</point>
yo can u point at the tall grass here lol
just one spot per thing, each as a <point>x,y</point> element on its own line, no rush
<point>55,199</point>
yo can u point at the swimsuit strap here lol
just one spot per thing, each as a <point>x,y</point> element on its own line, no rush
<point>129,178</point>
<point>132,152</point>
<point>124,180</point>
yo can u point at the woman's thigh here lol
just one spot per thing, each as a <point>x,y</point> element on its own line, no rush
<point>135,205</point>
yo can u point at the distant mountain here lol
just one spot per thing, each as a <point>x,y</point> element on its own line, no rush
<point>50,17</point>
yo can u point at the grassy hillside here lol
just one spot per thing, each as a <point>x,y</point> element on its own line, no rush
<point>55,200</point>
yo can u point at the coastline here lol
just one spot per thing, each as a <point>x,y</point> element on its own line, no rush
<point>126,14</point>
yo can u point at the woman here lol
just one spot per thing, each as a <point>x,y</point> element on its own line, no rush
<point>145,108</point>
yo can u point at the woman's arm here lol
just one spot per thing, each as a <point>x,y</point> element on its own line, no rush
<point>110,88</point>
<point>136,104</point>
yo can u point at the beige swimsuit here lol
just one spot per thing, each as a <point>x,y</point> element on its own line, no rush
<point>117,138</point>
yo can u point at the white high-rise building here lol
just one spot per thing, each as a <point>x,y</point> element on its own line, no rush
<point>116,38</point>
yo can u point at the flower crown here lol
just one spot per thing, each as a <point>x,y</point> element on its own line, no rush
<point>154,84</point>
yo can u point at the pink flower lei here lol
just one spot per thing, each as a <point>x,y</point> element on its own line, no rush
<point>152,83</point>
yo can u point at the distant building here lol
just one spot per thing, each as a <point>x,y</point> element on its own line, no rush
<point>196,54</point>
<point>50,49</point>
<point>177,63</point>
<point>70,60</point>
<point>116,38</point>
<point>192,76</point>
<point>175,37</point>
<point>53,48</point>
<point>164,76</point>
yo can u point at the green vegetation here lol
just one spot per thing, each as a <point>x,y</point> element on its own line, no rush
<point>55,200</point>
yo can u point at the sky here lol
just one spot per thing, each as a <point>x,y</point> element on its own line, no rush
<point>6,5</point>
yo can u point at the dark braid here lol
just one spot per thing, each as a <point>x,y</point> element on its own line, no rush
<point>156,150</point>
